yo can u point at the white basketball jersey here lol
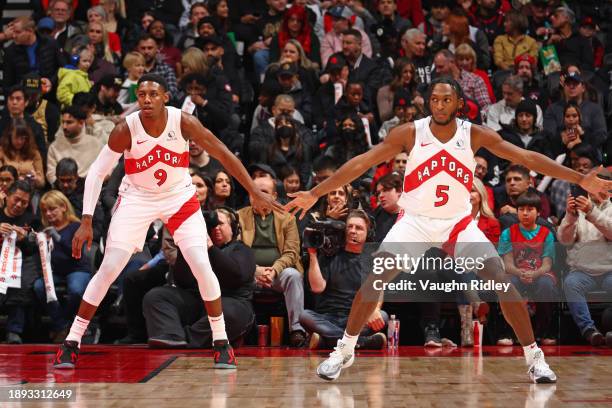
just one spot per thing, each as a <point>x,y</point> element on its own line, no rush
<point>438,177</point>
<point>157,164</point>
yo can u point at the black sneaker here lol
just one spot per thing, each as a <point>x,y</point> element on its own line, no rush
<point>224,355</point>
<point>297,339</point>
<point>432,336</point>
<point>67,355</point>
<point>594,337</point>
<point>377,341</point>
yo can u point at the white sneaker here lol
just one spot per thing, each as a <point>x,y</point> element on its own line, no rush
<point>540,372</point>
<point>338,359</point>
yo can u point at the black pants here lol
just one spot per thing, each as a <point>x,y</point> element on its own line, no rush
<point>178,314</point>
<point>136,284</point>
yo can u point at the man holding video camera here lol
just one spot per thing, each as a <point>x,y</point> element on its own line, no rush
<point>337,278</point>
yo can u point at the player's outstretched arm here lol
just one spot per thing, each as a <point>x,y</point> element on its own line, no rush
<point>492,141</point>
<point>192,128</point>
<point>401,138</point>
<point>118,141</point>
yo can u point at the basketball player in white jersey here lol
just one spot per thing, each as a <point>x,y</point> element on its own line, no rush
<point>157,185</point>
<point>436,204</point>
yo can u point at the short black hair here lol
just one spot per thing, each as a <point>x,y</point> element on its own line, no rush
<point>324,163</point>
<point>355,33</point>
<point>446,80</point>
<point>75,111</point>
<point>529,199</point>
<point>16,88</point>
<point>585,150</point>
<point>10,169</point>
<point>518,168</point>
<point>158,79</point>
<point>84,99</point>
<point>67,167</point>
<point>20,185</point>
<point>198,77</point>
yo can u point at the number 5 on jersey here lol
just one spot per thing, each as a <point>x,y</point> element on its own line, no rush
<point>442,194</point>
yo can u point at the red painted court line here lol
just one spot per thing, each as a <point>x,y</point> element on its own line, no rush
<point>133,364</point>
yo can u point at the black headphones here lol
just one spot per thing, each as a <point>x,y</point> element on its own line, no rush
<point>234,220</point>
<point>372,224</point>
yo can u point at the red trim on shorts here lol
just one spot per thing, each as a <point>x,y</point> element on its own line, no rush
<point>449,245</point>
<point>190,207</point>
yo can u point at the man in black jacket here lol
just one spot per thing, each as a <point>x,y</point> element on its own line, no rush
<point>175,315</point>
<point>30,52</point>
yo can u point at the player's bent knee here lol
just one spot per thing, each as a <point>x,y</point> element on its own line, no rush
<point>493,269</point>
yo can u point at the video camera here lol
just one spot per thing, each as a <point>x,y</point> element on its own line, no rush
<point>325,235</point>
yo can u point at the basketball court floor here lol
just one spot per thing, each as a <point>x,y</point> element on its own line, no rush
<point>120,376</point>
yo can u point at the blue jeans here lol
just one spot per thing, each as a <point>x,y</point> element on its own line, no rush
<point>62,316</point>
<point>575,286</point>
<point>331,327</point>
<point>15,319</point>
<point>542,289</point>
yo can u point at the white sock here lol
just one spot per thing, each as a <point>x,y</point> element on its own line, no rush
<point>530,352</point>
<point>217,324</point>
<point>77,329</point>
<point>350,342</point>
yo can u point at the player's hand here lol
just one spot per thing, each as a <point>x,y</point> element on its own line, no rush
<point>376,321</point>
<point>595,184</point>
<point>263,202</point>
<point>302,201</point>
<point>83,235</point>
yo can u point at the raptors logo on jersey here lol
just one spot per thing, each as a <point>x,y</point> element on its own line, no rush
<point>438,177</point>
<point>157,163</point>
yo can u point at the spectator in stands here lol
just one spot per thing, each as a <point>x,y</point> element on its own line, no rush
<point>193,60</point>
<point>514,42</point>
<point>222,63</point>
<point>223,190</point>
<point>169,54</point>
<point>210,101</point>
<point>8,175</point>
<point>473,86</point>
<point>308,71</point>
<point>502,114</point>
<point>57,213</point>
<point>405,78</point>
<point>147,46</point>
<point>352,102</point>
<point>30,52</point>
<point>415,49</point>
<point>466,60</point>
<point>571,47</point>
<point>404,111</point>
<point>203,184</point>
<point>290,178</point>
<point>96,124</point>
<point>388,191</point>
<point>74,78</point>
<point>539,19</point>
<point>386,10</point>
<point>18,149</point>
<point>197,11</point>
<point>98,37</point>
<point>582,158</point>
<point>273,237</point>
<point>592,119</point>
<point>17,217</point>
<point>323,167</point>
<point>134,64</point>
<point>200,160</point>
<point>524,132</point>
<point>65,27</point>
<point>335,205</point>
<point>175,315</point>
<point>334,80</point>
<point>97,14</point>
<point>517,182</point>
<point>295,25</point>
<point>116,22</point>
<point>342,21</point>
<point>587,29</point>
<point>488,16</point>
<point>350,139</point>
<point>528,252</point>
<point>219,10</point>
<point>336,279</point>
<point>107,91</point>
<point>266,27</point>
<point>525,67</point>
<point>16,109</point>
<point>288,148</point>
<point>587,227</point>
<point>288,78</point>
<point>75,143</point>
<point>72,186</point>
<point>43,111</point>
<point>457,30</point>
<point>361,68</point>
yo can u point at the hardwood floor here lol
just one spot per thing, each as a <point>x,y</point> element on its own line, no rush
<point>137,377</point>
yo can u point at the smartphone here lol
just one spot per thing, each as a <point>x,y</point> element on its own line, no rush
<point>576,191</point>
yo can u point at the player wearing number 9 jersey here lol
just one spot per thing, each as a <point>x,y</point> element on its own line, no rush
<point>436,206</point>
<point>157,185</point>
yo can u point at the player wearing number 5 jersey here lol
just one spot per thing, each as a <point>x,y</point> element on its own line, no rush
<point>157,185</point>
<point>436,204</point>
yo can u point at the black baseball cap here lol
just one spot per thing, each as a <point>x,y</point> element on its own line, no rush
<point>263,167</point>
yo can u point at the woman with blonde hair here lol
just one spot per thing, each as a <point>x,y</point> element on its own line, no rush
<point>99,38</point>
<point>293,52</point>
<point>466,60</point>
<point>97,14</point>
<point>192,61</point>
<point>58,216</point>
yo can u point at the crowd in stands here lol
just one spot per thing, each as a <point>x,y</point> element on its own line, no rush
<point>295,89</point>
